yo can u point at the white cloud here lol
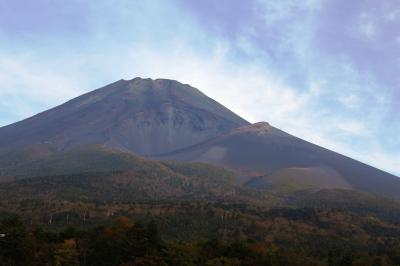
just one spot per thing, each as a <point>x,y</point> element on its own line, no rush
<point>368,29</point>
<point>28,86</point>
<point>393,15</point>
<point>350,101</point>
<point>367,26</point>
<point>34,79</point>
<point>352,127</point>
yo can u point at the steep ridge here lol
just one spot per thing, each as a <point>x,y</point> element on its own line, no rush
<point>142,116</point>
<point>267,157</point>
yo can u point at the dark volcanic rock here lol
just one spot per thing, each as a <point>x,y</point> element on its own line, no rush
<point>143,116</point>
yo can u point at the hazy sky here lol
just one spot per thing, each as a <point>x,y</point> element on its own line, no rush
<point>326,71</point>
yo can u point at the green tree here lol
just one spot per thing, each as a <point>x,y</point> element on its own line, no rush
<point>15,244</point>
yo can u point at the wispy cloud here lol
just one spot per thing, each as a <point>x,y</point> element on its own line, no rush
<point>27,85</point>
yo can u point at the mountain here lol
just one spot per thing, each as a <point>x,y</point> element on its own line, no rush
<point>266,157</point>
<point>142,116</point>
<point>169,121</point>
<point>153,172</point>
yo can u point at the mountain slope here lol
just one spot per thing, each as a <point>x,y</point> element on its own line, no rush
<point>101,173</point>
<point>142,116</point>
<point>153,117</point>
<point>266,157</point>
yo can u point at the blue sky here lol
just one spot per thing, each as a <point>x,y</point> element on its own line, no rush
<point>326,71</point>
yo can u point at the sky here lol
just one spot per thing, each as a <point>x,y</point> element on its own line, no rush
<point>325,71</point>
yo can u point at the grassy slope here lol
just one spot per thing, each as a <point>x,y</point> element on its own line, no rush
<point>101,174</point>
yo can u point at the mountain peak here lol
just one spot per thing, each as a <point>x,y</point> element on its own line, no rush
<point>161,82</point>
<point>157,89</point>
<point>142,116</point>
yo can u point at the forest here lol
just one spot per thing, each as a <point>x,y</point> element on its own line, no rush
<point>164,213</point>
<point>196,233</point>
